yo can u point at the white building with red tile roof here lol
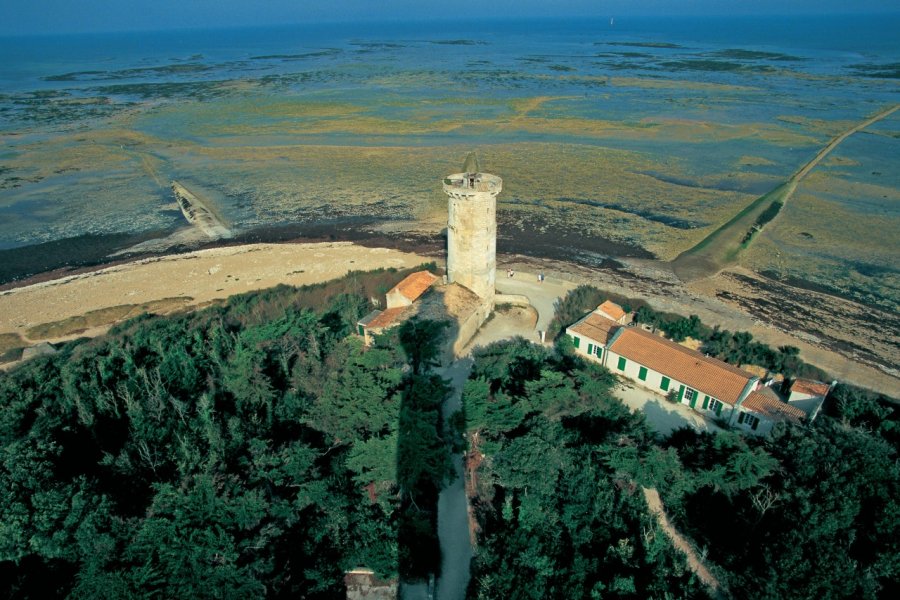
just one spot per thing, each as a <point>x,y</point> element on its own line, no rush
<point>612,311</point>
<point>809,395</point>
<point>763,408</point>
<point>410,289</point>
<point>709,386</point>
<point>399,299</point>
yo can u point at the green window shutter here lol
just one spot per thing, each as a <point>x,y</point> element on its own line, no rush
<point>664,384</point>
<point>642,373</point>
<point>599,352</point>
<point>718,409</point>
<point>741,417</point>
<point>576,340</point>
<point>705,402</point>
<point>694,400</point>
<point>361,329</point>
<point>590,348</point>
<point>680,393</point>
<point>622,362</point>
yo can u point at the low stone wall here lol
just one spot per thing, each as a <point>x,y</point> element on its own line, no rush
<point>468,327</point>
<point>514,299</point>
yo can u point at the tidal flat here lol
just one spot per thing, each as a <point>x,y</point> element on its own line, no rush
<point>647,136</point>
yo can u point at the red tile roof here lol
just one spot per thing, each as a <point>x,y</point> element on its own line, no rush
<point>765,402</point>
<point>387,317</point>
<point>595,327</point>
<point>808,386</point>
<point>705,374</point>
<point>414,285</point>
<point>612,309</point>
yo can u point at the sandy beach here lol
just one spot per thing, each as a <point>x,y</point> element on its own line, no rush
<point>190,279</point>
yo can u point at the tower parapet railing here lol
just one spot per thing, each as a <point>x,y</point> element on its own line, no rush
<point>468,184</point>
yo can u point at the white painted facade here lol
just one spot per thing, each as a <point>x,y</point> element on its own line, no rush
<point>702,403</point>
<point>811,404</point>
<point>395,298</point>
<point>744,420</point>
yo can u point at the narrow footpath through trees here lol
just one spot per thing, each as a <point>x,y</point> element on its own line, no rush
<point>453,506</point>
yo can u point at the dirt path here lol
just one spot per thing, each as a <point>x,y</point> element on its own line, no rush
<point>804,171</point>
<point>722,247</point>
<point>453,506</point>
<point>694,562</point>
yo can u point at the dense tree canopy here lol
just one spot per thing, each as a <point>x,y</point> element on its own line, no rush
<point>811,512</point>
<point>245,450</point>
<point>554,510</point>
<point>256,449</point>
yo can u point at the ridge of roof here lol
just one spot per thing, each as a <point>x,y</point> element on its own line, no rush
<point>385,318</point>
<point>810,386</point>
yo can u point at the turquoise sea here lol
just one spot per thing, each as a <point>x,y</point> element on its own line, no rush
<point>707,110</point>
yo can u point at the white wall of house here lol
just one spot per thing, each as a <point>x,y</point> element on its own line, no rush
<point>394,299</point>
<point>703,403</point>
<point>807,403</point>
<point>745,424</point>
<point>586,347</point>
<point>663,384</point>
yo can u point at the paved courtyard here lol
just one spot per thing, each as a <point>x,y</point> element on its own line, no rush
<point>662,415</point>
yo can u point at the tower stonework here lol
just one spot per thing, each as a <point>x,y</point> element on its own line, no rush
<point>472,228</point>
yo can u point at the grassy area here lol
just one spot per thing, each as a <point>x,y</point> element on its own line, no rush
<point>10,341</point>
<point>103,316</point>
<point>11,346</point>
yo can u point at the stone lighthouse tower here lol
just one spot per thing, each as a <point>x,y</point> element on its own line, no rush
<point>472,228</point>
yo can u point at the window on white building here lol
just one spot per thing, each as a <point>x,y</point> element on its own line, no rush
<point>749,420</point>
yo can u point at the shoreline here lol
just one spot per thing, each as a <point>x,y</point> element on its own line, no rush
<point>186,280</point>
<point>87,253</point>
<point>190,280</point>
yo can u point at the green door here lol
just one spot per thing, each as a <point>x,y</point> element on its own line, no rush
<point>664,384</point>
<point>576,340</point>
<point>361,329</point>
<point>622,362</point>
<point>642,373</point>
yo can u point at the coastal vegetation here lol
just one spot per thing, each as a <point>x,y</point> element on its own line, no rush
<point>810,512</point>
<point>249,449</point>
<point>553,508</point>
<point>256,448</point>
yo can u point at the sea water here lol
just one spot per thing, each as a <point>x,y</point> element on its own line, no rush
<point>193,91</point>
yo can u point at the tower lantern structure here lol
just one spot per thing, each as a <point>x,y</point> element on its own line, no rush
<point>472,228</point>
